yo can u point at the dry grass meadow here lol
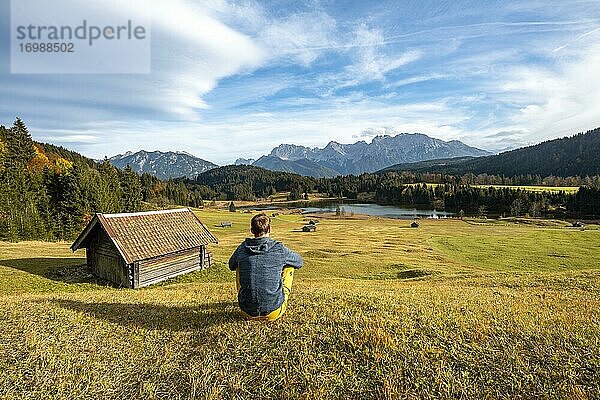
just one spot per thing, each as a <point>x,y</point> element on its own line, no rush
<point>453,309</point>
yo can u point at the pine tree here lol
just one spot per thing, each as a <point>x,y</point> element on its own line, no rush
<point>20,218</point>
<point>66,202</point>
<point>110,189</point>
<point>131,190</point>
<point>19,144</point>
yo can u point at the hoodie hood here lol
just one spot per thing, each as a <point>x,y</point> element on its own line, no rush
<point>258,245</point>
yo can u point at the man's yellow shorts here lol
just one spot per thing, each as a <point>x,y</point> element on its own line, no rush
<point>287,277</point>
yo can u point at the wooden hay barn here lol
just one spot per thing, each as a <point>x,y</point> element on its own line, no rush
<point>134,250</point>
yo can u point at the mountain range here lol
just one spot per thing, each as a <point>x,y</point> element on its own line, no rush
<point>577,155</point>
<point>332,160</point>
<point>163,165</point>
<point>344,159</point>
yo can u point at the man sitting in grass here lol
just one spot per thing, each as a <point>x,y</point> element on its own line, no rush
<point>265,271</point>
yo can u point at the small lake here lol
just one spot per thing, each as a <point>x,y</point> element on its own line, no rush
<point>375,210</point>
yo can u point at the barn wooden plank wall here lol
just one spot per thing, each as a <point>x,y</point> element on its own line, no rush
<point>106,262</point>
<point>160,268</point>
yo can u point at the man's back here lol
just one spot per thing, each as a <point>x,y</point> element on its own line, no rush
<point>260,262</point>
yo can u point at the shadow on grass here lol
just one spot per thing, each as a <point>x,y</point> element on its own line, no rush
<point>412,273</point>
<point>157,316</point>
<point>68,269</point>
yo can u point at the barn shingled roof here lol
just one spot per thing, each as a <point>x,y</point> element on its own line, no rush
<point>139,236</point>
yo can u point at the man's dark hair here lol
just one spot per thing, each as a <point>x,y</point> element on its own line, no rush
<point>260,224</point>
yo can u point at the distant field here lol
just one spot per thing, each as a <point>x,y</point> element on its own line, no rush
<point>453,309</point>
<point>567,189</point>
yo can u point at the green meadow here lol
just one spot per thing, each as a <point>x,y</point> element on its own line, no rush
<point>452,309</point>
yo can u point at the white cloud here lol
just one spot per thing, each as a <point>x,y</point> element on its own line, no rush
<point>370,62</point>
<point>294,37</point>
<point>586,34</point>
<point>299,37</point>
<point>209,48</point>
<point>192,50</point>
<point>558,101</point>
<point>208,51</point>
<point>416,79</point>
<point>64,137</point>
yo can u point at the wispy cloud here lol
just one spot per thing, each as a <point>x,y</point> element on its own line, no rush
<point>288,38</point>
<point>292,37</point>
<point>370,61</point>
<point>66,138</point>
<point>416,79</point>
<point>578,38</point>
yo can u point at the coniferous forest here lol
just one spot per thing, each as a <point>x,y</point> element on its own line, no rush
<point>448,192</point>
<point>49,193</point>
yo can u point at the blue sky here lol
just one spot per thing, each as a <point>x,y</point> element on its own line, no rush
<point>234,79</point>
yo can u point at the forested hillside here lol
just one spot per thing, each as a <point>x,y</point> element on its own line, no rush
<point>49,192</point>
<point>578,155</point>
<point>245,182</point>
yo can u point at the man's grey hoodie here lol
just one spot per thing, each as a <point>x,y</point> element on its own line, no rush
<point>260,262</point>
